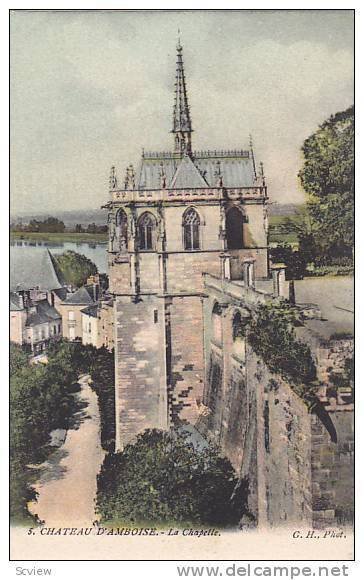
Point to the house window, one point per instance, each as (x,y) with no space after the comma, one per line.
(191,230)
(146,231)
(71,315)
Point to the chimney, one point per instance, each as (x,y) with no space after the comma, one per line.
(279,278)
(249,272)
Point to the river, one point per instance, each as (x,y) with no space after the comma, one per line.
(95,251)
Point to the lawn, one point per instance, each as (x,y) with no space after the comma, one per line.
(278,233)
(59,237)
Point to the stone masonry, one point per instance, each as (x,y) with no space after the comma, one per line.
(188,263)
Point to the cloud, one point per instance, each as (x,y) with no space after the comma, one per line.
(90,89)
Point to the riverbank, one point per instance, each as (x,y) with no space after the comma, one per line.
(59,237)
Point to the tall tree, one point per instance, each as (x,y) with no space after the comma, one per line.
(328,178)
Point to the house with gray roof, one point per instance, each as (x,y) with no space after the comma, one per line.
(71,308)
(33,323)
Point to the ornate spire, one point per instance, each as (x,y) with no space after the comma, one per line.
(182,127)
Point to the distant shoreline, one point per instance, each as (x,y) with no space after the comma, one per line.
(58,237)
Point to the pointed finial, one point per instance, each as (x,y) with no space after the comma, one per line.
(162,175)
(252,155)
(131,176)
(179,46)
(262,176)
(218,174)
(129,181)
(113,182)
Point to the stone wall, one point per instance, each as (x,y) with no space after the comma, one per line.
(185,342)
(297,474)
(333,471)
(140,373)
(283,446)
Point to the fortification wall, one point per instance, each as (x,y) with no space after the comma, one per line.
(297,474)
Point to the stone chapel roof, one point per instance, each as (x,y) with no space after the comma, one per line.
(201,170)
(184,168)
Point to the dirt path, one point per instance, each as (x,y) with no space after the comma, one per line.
(67,485)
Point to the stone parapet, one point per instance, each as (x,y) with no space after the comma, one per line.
(166,195)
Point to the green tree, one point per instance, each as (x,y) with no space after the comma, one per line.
(18,358)
(76,268)
(327,176)
(163,478)
(40,400)
(295,261)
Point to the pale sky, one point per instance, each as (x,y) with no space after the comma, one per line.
(91,89)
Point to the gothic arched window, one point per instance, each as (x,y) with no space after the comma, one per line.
(146,231)
(122,229)
(191,230)
(234,229)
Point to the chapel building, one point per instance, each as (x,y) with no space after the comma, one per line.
(183,213)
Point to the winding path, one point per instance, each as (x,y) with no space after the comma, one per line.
(67,483)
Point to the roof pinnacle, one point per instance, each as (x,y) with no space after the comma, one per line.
(252,155)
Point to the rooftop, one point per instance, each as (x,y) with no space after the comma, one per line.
(41,272)
(87,295)
(202,169)
(90,311)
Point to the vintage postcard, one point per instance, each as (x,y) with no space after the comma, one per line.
(181,285)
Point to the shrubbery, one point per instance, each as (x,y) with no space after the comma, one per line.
(294,261)
(271,335)
(164,479)
(75,268)
(101,367)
